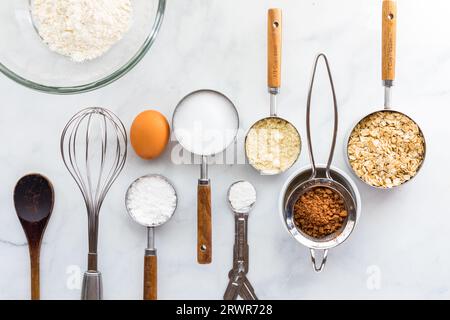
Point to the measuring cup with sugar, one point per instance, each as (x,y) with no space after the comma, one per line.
(151,201)
(205,123)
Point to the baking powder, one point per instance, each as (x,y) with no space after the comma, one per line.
(242,195)
(151,200)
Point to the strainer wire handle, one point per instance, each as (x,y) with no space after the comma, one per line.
(318,268)
(308,122)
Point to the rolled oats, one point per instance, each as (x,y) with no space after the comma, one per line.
(386,149)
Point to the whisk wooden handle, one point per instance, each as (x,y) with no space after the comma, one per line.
(389,35)
(274,48)
(204,224)
(151,277)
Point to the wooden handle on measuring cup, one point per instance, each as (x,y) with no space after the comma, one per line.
(389,35)
(274,48)
(151,277)
(204,224)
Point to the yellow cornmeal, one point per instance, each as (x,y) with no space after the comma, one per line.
(273,145)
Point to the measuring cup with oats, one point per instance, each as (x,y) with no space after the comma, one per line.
(273,144)
(386,148)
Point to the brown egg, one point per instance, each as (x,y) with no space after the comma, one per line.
(149,134)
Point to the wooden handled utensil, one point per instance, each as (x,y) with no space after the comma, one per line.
(218,121)
(387,113)
(137,191)
(33,200)
(260,129)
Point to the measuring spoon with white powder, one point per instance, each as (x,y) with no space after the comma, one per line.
(151,201)
(242,199)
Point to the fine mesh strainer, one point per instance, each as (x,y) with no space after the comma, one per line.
(320,177)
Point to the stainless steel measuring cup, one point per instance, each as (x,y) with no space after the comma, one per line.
(319,177)
(219,143)
(274,49)
(150,259)
(389,40)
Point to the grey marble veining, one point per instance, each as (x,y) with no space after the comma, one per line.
(400,247)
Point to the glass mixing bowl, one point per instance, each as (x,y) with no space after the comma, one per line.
(27,60)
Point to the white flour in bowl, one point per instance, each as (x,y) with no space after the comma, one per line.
(151,200)
(81,29)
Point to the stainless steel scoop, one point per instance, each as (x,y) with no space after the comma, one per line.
(150,260)
(238,284)
(326,181)
(241,214)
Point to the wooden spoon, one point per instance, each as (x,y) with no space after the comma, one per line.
(33,200)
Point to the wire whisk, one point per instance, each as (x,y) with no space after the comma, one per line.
(94,150)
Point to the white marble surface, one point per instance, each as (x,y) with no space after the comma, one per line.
(399,249)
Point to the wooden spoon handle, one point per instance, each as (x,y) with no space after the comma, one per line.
(151,276)
(274,48)
(204,224)
(389,35)
(35,282)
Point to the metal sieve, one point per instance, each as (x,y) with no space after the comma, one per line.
(389,39)
(286,201)
(274,83)
(320,178)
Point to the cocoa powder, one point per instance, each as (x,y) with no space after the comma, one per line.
(320,212)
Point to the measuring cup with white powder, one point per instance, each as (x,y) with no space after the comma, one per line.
(151,201)
(205,123)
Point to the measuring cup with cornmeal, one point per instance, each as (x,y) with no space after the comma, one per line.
(273,144)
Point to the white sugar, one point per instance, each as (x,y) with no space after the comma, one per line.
(205,123)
